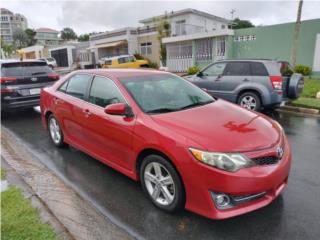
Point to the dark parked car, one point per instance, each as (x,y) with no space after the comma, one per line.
(253,84)
(22,81)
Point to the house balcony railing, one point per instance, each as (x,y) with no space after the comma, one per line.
(186,29)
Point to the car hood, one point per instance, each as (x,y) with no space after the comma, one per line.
(222,127)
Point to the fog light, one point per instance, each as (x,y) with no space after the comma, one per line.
(222,200)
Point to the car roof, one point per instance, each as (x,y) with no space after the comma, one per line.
(248,60)
(116,57)
(18,61)
(122,72)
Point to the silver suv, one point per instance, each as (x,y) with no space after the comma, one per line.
(253,84)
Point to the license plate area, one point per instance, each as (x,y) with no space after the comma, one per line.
(35,91)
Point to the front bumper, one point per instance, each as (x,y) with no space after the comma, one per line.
(203,180)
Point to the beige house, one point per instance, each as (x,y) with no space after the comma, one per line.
(149,44)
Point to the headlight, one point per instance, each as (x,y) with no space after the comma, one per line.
(230,162)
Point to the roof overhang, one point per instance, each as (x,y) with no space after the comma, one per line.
(108,45)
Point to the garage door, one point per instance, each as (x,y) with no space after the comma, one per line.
(61,56)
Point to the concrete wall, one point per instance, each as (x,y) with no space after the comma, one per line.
(275,42)
(155,55)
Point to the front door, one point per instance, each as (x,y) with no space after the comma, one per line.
(108,136)
(210,78)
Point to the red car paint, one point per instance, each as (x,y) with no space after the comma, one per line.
(218,127)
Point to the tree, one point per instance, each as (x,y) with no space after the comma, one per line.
(238,24)
(83,37)
(296,35)
(163,31)
(20,38)
(8,49)
(31,37)
(68,34)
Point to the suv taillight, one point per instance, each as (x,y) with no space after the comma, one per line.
(53,76)
(7,79)
(276,82)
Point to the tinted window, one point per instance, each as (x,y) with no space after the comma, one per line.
(237,69)
(258,69)
(108,62)
(20,69)
(122,60)
(104,92)
(77,85)
(286,69)
(215,70)
(160,93)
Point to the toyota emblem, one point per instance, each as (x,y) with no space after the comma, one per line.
(279,152)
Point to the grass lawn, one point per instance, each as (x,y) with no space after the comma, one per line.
(311,87)
(307,103)
(307,99)
(19,220)
(3,174)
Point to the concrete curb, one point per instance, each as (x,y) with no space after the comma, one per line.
(76,215)
(45,214)
(300,109)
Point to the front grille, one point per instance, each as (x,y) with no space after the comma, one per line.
(268,160)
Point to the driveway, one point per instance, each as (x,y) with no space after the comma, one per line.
(294,215)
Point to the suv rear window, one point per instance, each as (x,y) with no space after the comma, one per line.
(258,69)
(237,69)
(20,69)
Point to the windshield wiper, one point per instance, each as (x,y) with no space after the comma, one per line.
(161,110)
(195,104)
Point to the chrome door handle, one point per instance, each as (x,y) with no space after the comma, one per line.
(246,80)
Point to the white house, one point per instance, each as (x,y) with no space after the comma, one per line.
(196,37)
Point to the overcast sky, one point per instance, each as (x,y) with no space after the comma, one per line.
(88,16)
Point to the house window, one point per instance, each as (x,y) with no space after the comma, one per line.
(146,48)
(248,38)
(4,18)
(180,28)
(223,26)
(240,38)
(236,39)
(253,37)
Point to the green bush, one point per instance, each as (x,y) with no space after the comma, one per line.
(153,65)
(193,70)
(303,69)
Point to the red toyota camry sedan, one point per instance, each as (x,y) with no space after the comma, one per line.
(188,149)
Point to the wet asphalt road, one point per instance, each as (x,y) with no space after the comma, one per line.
(293,215)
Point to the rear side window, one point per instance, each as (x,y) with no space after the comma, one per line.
(104,92)
(237,69)
(122,60)
(21,69)
(77,85)
(258,69)
(108,62)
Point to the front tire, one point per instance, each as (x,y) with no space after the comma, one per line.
(55,131)
(162,184)
(250,100)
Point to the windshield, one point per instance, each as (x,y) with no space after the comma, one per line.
(164,93)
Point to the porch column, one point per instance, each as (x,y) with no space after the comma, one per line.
(194,53)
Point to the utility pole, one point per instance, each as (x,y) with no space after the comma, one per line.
(232,12)
(296,35)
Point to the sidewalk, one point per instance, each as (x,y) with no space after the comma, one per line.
(76,215)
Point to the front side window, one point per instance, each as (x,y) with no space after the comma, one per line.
(237,69)
(161,93)
(122,60)
(104,92)
(78,85)
(215,69)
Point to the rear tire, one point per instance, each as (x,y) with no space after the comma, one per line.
(250,100)
(55,132)
(162,184)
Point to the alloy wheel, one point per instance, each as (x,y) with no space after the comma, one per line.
(159,183)
(55,131)
(248,102)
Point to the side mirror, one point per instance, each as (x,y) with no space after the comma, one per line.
(121,109)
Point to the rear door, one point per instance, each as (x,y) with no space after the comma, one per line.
(69,107)
(234,74)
